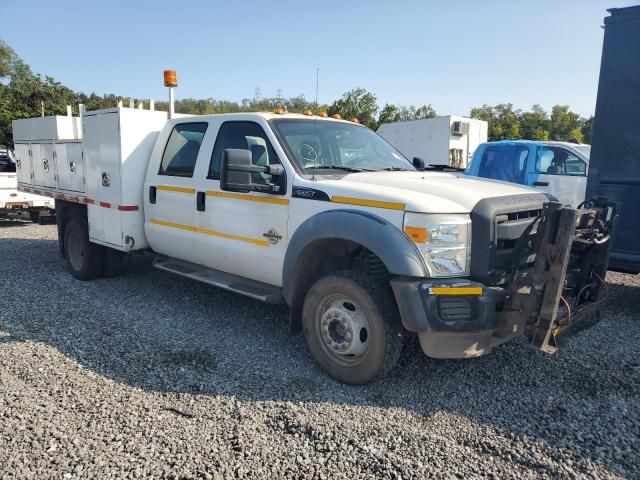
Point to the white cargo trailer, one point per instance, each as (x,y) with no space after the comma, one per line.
(448,140)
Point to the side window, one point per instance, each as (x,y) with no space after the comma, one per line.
(181,152)
(574,166)
(504,163)
(247,136)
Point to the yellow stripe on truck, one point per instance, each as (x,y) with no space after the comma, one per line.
(251,198)
(255,241)
(455,290)
(172,225)
(171,188)
(204,231)
(368,203)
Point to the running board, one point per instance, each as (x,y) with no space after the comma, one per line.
(233,283)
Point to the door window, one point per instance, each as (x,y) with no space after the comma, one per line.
(247,136)
(504,163)
(559,161)
(181,152)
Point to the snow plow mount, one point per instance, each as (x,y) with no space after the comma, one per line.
(558,293)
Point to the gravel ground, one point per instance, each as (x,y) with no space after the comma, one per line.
(150,375)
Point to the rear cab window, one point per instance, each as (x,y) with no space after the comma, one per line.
(181,151)
(504,162)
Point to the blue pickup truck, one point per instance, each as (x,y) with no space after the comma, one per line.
(558,168)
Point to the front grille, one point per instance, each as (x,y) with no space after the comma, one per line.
(497,224)
(509,229)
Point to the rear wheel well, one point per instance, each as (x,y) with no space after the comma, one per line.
(324,257)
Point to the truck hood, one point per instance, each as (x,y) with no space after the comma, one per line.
(428,192)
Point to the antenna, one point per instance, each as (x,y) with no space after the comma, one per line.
(315,125)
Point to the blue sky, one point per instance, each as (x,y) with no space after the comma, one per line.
(454,55)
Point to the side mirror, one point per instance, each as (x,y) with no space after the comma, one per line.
(236,170)
(418,163)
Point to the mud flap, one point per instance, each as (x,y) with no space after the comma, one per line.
(559,294)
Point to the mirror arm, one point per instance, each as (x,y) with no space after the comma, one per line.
(252,187)
(275,170)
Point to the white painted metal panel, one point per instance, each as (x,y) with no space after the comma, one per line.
(70,166)
(138,133)
(55,127)
(91,149)
(23,166)
(36,164)
(110,186)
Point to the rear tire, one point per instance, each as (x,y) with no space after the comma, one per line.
(34,216)
(352,327)
(84,259)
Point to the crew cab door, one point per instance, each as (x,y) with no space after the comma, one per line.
(170,194)
(243,233)
(561,173)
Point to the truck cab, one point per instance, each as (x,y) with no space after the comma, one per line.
(324,215)
(557,168)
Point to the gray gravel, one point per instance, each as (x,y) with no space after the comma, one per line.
(149,375)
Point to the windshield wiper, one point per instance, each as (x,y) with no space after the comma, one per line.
(339,167)
(395,169)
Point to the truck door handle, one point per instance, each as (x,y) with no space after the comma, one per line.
(201,201)
(152,194)
(540,184)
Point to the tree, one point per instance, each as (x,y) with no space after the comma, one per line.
(587,130)
(391,113)
(357,103)
(534,125)
(563,122)
(502,119)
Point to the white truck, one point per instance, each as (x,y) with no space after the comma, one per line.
(324,215)
(13,201)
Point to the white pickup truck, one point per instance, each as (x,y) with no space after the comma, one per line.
(13,201)
(364,246)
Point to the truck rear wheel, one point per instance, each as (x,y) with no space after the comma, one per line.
(351,327)
(84,259)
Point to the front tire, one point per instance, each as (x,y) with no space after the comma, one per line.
(352,328)
(84,259)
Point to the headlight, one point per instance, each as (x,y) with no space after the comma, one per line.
(444,241)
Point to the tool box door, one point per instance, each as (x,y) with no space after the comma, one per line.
(23,163)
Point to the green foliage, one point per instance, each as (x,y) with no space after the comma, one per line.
(391,113)
(357,103)
(503,121)
(563,122)
(587,130)
(506,123)
(534,125)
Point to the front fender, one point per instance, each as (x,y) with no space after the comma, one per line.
(390,244)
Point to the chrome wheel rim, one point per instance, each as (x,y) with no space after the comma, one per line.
(343,329)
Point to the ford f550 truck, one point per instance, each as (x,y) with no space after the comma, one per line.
(320,213)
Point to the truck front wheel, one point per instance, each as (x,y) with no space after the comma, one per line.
(352,328)
(84,259)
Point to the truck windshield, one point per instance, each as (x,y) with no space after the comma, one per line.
(322,144)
